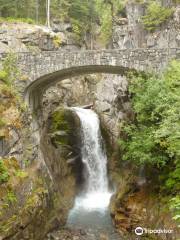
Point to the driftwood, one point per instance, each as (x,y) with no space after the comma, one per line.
(88,106)
(72,160)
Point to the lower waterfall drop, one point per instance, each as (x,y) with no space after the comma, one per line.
(91,205)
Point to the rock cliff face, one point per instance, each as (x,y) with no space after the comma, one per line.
(23,37)
(107,92)
(37,198)
(129,33)
(60,144)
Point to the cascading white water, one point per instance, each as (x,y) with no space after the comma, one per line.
(92,152)
(95,196)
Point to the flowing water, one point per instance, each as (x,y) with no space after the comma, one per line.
(90,210)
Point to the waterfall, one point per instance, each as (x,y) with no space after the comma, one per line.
(95,195)
(92,152)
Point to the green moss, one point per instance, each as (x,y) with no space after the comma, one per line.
(59,121)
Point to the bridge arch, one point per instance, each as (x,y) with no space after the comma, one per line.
(34,91)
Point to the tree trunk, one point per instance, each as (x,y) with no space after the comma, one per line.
(37,11)
(48,13)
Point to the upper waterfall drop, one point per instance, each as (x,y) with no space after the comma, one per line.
(92,152)
(95,194)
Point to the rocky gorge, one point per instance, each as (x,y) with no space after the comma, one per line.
(42,168)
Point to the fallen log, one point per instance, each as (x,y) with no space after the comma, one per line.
(88,106)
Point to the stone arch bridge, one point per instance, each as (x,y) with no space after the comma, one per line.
(41,70)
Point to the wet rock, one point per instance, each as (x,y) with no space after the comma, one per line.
(135,205)
(111,103)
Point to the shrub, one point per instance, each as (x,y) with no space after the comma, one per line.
(175,207)
(57,41)
(155,133)
(155,15)
(11,197)
(21,174)
(3,75)
(4,175)
(10,71)
(17,20)
(2,123)
(106,25)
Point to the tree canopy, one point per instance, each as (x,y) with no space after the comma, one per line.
(83,15)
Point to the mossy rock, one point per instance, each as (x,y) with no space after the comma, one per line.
(63,126)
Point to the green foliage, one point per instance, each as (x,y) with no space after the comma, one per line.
(21,174)
(156,104)
(62,129)
(57,41)
(23,10)
(155,15)
(87,14)
(176,1)
(26,162)
(8,75)
(106,23)
(83,16)
(11,197)
(154,136)
(140,1)
(10,71)
(3,75)
(4,175)
(106,11)
(175,207)
(59,121)
(142,147)
(2,123)
(17,20)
